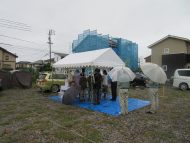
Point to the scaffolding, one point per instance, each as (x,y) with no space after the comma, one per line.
(91,40)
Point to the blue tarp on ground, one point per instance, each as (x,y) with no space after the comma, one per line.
(107,106)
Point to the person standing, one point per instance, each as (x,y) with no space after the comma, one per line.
(89,83)
(105,83)
(76,78)
(97,86)
(83,86)
(70,76)
(154,96)
(123,94)
(114,90)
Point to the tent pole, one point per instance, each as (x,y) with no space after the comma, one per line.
(92,79)
(67,70)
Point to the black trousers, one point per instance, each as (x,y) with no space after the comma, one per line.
(114,90)
(97,95)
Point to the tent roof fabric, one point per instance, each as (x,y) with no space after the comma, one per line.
(106,58)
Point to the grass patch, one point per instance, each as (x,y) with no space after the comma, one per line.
(65,136)
(164,136)
(28,116)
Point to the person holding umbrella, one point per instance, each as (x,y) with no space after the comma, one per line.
(156,76)
(122,75)
(123,93)
(153,94)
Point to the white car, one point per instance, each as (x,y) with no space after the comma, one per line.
(181,79)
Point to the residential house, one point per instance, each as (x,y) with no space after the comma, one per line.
(148,59)
(48,61)
(23,64)
(7,60)
(59,56)
(37,64)
(171,52)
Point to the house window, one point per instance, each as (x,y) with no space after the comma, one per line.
(166,50)
(7,57)
(164,67)
(6,66)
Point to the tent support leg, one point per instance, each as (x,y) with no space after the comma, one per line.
(92,79)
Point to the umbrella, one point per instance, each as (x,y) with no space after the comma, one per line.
(121,74)
(154,72)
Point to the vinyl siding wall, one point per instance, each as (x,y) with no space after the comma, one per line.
(175,46)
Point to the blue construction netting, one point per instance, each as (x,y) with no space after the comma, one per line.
(107,106)
(91,40)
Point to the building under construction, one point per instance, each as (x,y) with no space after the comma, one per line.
(91,40)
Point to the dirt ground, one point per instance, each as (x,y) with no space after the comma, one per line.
(28,116)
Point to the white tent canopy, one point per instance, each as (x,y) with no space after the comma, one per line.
(105,58)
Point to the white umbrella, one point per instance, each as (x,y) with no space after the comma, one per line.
(121,74)
(154,72)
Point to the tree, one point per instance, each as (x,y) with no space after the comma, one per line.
(46,67)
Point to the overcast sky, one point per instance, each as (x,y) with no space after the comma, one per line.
(141,21)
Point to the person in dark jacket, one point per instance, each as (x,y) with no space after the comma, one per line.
(97,86)
(76,79)
(113,89)
(70,94)
(89,83)
(83,86)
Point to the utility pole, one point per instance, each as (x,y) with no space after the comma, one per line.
(51,32)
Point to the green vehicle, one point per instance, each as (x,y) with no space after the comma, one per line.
(51,81)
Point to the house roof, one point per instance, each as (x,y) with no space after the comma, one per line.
(168,36)
(38,62)
(147,57)
(8,52)
(96,58)
(60,54)
(52,59)
(23,62)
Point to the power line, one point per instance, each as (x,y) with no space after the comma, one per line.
(6,44)
(20,52)
(11,27)
(37,54)
(14,22)
(44,55)
(22,47)
(26,47)
(14,26)
(19,39)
